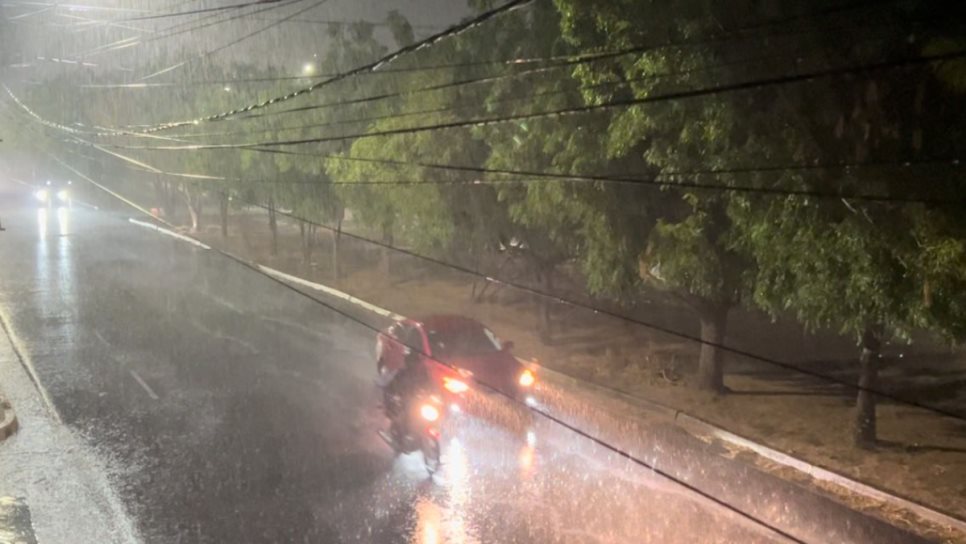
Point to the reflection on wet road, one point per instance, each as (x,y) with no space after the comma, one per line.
(231,409)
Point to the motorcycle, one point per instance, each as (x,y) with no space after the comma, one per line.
(418,430)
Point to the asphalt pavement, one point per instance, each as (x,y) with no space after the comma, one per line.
(229,408)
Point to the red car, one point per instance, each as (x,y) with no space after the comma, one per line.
(458,342)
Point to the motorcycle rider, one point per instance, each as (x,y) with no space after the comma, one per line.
(401,387)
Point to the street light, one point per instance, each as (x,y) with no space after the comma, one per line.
(308,69)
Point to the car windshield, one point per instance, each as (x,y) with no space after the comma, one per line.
(463,341)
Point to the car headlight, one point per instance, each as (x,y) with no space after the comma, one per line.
(62,195)
(41,195)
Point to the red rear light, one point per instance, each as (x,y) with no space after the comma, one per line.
(455,386)
(527,378)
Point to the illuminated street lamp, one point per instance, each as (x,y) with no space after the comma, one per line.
(308,69)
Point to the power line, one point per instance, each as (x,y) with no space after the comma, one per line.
(666,180)
(451,31)
(669,180)
(236,41)
(493,78)
(372,66)
(679,95)
(469,104)
(192,25)
(349,23)
(185,27)
(76,6)
(673,180)
(562,60)
(201,10)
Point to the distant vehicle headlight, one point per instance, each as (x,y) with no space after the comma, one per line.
(41,195)
(62,195)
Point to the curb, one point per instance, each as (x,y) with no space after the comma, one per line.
(329,291)
(698,427)
(169,232)
(691,424)
(8,423)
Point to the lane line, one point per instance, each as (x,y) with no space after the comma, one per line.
(144,384)
(137,377)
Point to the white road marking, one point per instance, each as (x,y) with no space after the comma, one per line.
(171,233)
(147,388)
(330,291)
(100,337)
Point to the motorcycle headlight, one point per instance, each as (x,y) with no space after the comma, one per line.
(429,412)
(41,195)
(62,195)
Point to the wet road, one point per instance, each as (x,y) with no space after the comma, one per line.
(231,409)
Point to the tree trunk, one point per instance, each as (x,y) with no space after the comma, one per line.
(192,206)
(313,229)
(303,239)
(273,225)
(170,203)
(714,321)
(307,235)
(865,404)
(223,209)
(159,192)
(336,242)
(546,305)
(387,252)
(199,201)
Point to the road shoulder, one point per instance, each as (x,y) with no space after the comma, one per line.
(8,419)
(50,470)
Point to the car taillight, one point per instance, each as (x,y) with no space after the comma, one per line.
(527,378)
(454,386)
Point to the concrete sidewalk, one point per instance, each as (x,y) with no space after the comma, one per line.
(53,487)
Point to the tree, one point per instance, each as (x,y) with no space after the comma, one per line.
(682,240)
(871,270)
(452,218)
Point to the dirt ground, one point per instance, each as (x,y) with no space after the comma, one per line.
(921,455)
